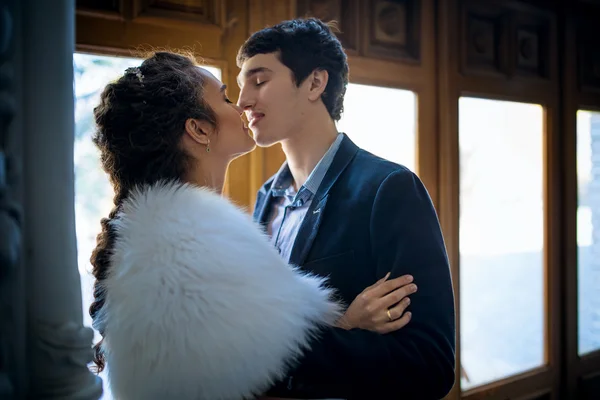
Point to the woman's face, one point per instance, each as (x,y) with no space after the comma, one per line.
(232,138)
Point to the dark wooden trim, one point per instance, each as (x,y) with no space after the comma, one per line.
(448,154)
(428,134)
(589,363)
(515,386)
(569,142)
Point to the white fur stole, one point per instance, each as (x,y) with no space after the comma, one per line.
(199,305)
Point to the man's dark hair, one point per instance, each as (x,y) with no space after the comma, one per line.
(305,45)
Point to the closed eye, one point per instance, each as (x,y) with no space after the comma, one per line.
(225,94)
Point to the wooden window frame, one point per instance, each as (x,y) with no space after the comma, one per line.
(457,80)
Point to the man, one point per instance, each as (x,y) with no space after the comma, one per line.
(339,211)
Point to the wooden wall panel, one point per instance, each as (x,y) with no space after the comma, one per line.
(589,388)
(132,26)
(112,6)
(378,29)
(508,49)
(588,53)
(392,30)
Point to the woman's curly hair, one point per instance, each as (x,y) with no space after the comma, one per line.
(140,122)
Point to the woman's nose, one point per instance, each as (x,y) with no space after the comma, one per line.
(239,109)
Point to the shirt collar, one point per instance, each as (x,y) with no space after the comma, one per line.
(282,183)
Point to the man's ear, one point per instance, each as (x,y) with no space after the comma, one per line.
(199,131)
(317,83)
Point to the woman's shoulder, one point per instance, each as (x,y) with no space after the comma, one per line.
(173,199)
(198,303)
(168,213)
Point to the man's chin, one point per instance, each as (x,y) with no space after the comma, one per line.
(264,140)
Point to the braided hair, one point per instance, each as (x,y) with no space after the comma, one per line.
(140,123)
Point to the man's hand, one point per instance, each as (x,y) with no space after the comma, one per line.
(380,307)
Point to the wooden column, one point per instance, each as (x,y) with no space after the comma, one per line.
(13,375)
(58,345)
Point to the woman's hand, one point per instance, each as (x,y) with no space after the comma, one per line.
(380,307)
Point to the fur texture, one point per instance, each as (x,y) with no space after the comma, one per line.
(199,305)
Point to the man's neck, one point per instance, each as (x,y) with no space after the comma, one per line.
(305,148)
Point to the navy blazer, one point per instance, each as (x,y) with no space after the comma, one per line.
(371,216)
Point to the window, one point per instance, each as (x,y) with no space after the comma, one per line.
(382,121)
(93,193)
(588,229)
(501,239)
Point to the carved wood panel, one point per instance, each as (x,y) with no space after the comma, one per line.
(393,29)
(200,11)
(588,43)
(204,11)
(387,29)
(505,39)
(484,39)
(99,5)
(344,12)
(532,50)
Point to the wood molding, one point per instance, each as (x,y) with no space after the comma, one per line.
(526,385)
(145,34)
(447,95)
(508,41)
(264,162)
(569,183)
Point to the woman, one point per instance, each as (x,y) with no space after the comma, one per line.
(191,299)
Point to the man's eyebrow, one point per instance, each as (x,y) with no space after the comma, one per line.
(251,72)
(223,88)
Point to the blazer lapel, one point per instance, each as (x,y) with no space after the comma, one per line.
(308,231)
(261,205)
(314,215)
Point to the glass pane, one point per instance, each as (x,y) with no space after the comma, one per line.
(501,239)
(588,229)
(382,121)
(93,193)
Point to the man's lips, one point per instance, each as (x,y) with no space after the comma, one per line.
(254,118)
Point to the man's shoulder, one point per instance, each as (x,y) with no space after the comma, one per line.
(373,169)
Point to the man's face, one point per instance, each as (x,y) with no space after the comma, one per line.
(272,102)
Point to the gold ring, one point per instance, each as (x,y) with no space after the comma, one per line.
(389,315)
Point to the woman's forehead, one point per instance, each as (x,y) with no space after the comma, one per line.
(210,79)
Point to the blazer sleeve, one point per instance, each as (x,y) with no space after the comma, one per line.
(417,361)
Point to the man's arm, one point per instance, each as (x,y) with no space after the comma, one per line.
(416,361)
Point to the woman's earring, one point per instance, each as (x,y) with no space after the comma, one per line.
(208,148)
